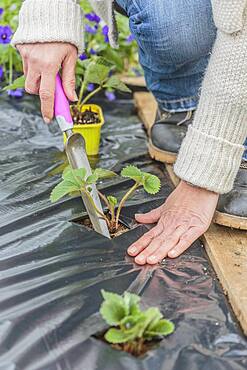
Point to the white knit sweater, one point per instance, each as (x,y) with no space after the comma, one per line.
(211,153)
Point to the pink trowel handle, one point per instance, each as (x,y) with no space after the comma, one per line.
(61,107)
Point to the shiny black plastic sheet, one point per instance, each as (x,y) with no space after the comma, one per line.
(52,270)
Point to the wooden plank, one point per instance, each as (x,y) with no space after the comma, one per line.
(146,107)
(226,248)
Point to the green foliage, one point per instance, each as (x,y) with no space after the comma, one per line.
(116,84)
(77,181)
(112,201)
(150,183)
(97,71)
(129,322)
(17,84)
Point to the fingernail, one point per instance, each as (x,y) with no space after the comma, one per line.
(152,258)
(172,253)
(75,97)
(140,258)
(47,120)
(133,250)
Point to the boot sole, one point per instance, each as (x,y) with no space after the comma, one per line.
(235,222)
(161,155)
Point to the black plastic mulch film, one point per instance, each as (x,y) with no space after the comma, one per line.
(52,270)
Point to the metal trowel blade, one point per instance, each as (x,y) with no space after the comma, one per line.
(77,157)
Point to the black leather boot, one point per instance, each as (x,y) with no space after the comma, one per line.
(232,207)
(167,134)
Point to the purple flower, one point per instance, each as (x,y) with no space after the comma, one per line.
(18,93)
(90,87)
(130,38)
(5,34)
(110,95)
(92,17)
(1,11)
(1,72)
(92,51)
(105,31)
(92,30)
(83,56)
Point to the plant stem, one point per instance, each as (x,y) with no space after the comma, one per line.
(81,93)
(123,200)
(103,197)
(95,207)
(89,96)
(10,66)
(108,205)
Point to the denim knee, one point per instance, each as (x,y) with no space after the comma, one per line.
(174,31)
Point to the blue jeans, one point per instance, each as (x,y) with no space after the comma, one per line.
(175,38)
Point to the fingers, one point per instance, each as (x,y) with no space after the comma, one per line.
(32,83)
(157,250)
(185,241)
(145,240)
(150,217)
(68,76)
(46,93)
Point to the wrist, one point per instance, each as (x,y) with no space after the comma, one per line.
(185,185)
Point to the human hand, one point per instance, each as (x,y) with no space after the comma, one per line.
(183,218)
(41,63)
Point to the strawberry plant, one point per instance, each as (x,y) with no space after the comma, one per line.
(131,329)
(78,181)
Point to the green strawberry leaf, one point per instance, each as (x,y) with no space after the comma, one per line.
(113,309)
(161,328)
(103,174)
(92,179)
(151,183)
(65,187)
(112,200)
(132,172)
(128,323)
(132,302)
(116,336)
(150,315)
(132,323)
(115,83)
(17,84)
(97,71)
(75,176)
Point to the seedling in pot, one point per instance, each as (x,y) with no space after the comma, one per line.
(74,181)
(95,75)
(131,329)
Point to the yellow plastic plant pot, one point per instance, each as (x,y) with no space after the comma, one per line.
(90,132)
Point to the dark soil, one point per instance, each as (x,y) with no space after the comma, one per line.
(113,232)
(84,118)
(138,348)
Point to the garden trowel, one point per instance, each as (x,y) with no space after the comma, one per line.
(76,153)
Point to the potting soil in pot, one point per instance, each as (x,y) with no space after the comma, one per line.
(52,270)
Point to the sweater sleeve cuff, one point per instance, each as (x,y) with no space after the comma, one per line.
(50,21)
(206,159)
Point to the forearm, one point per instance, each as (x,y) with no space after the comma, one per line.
(212,150)
(50,21)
